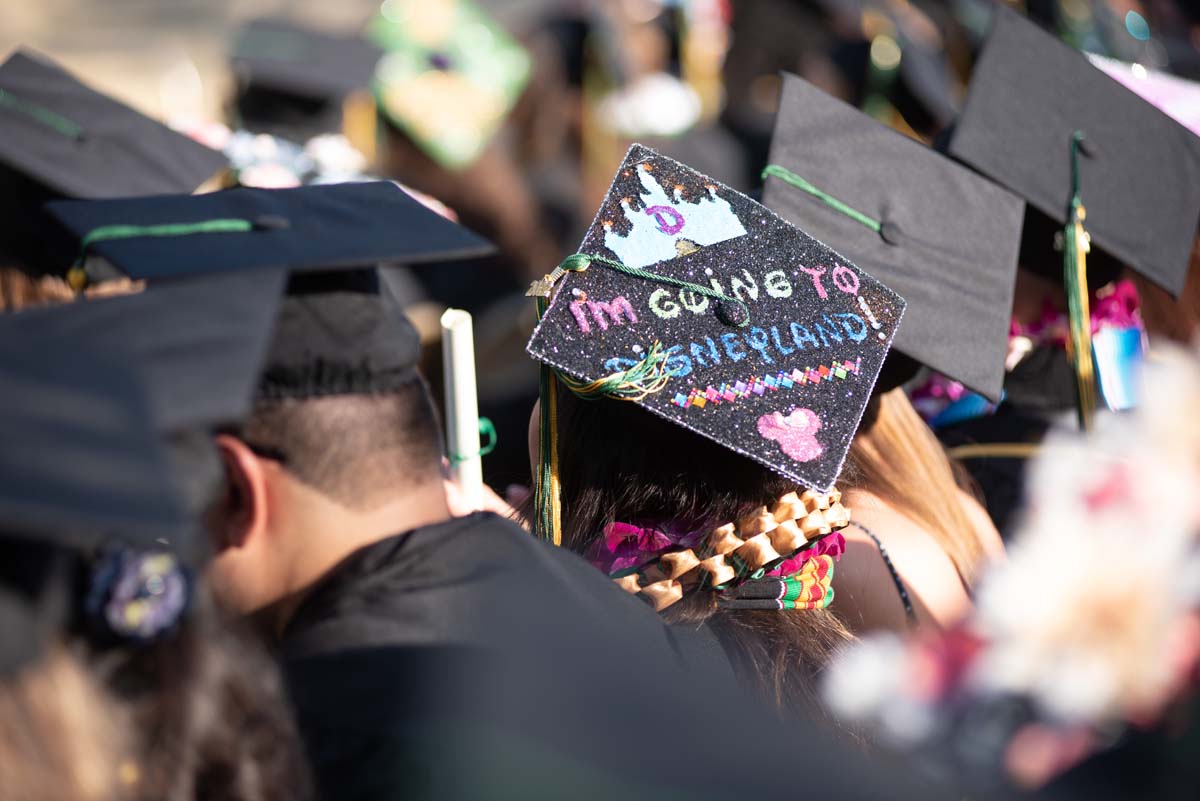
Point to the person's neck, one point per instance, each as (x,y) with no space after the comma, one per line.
(323,533)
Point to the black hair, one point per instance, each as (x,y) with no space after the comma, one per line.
(352,448)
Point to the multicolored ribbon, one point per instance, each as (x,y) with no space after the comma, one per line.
(809,588)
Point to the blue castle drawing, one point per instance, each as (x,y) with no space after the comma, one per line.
(669,227)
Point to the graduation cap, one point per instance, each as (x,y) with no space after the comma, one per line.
(936,232)
(711,311)
(336,330)
(60,138)
(303,229)
(1139,170)
(198,345)
(81,461)
(450,75)
(81,469)
(297,83)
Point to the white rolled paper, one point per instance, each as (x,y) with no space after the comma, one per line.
(462,404)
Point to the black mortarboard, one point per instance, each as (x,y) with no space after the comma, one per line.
(788,386)
(80,461)
(1139,172)
(336,331)
(81,468)
(59,138)
(311,228)
(293,80)
(198,345)
(940,235)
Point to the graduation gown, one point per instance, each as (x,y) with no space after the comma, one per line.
(470,628)
(470,660)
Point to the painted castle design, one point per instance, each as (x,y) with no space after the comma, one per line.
(667,227)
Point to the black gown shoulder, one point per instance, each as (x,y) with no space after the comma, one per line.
(470,635)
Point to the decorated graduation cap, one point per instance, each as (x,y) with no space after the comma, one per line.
(938,233)
(297,82)
(60,138)
(1082,150)
(712,312)
(450,75)
(197,345)
(337,331)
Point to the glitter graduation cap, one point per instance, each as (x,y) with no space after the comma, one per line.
(60,138)
(935,231)
(757,336)
(450,75)
(1139,170)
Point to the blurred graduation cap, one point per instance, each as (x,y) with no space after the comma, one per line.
(81,468)
(198,345)
(450,75)
(1139,170)
(81,461)
(337,330)
(59,138)
(939,234)
(297,82)
(714,313)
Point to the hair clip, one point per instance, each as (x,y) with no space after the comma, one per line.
(138,595)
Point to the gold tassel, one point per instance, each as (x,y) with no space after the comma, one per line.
(1076,245)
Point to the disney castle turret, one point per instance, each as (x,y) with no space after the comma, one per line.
(667,227)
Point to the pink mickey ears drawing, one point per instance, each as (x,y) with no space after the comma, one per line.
(796,433)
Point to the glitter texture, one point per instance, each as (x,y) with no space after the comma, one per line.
(725,379)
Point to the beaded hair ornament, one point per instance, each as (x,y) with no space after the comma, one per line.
(777,557)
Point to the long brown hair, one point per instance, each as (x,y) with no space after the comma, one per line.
(618,462)
(896,457)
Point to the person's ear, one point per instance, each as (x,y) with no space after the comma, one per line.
(244,517)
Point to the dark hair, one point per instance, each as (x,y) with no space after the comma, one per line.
(208,715)
(618,462)
(351,447)
(198,712)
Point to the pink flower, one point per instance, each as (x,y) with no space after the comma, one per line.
(626,546)
(831,544)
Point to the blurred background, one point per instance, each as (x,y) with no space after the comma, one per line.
(511,115)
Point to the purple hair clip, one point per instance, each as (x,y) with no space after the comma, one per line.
(139,595)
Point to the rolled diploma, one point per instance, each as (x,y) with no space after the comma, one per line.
(462,404)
